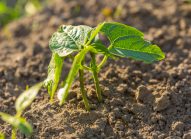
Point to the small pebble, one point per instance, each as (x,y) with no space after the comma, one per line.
(187,135)
(162,103)
(144,95)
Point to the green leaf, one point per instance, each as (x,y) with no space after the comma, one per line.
(94,41)
(2,136)
(19,123)
(69,39)
(136,48)
(26,98)
(54,73)
(114,30)
(127,41)
(3,8)
(100,48)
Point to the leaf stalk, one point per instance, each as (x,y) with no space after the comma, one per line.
(102,62)
(14,133)
(72,74)
(95,76)
(82,89)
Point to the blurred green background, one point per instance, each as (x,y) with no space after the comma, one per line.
(14,9)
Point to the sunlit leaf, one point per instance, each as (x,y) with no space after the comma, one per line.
(136,48)
(3,8)
(2,136)
(128,42)
(20,123)
(69,39)
(114,30)
(26,98)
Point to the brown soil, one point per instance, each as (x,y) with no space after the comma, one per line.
(140,100)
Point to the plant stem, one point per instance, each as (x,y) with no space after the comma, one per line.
(14,133)
(102,62)
(95,76)
(95,32)
(82,89)
(72,74)
(86,68)
(104,59)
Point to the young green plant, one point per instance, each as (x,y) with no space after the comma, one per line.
(78,41)
(18,122)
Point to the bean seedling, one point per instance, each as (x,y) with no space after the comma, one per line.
(77,41)
(18,122)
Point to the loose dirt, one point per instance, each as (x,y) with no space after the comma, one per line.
(140,101)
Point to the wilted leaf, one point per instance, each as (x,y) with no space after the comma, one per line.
(69,39)
(26,98)
(19,123)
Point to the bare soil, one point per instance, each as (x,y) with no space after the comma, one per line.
(141,101)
